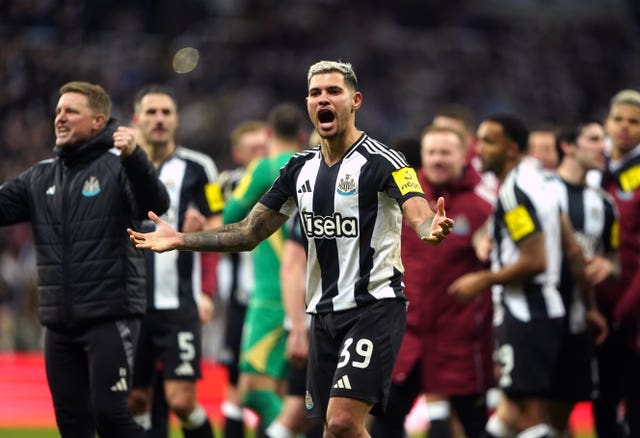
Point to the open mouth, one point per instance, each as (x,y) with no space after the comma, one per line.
(326,116)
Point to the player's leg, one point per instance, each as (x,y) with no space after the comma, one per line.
(182,367)
(574,379)
(110,350)
(365,343)
(527,354)
(263,364)
(346,417)
(439,414)
(144,370)
(232,406)
(401,399)
(611,357)
(159,406)
(292,421)
(471,410)
(68,377)
(632,395)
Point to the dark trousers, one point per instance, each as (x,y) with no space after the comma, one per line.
(89,374)
(619,380)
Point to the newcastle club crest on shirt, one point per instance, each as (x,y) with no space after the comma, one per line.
(346,186)
(91,187)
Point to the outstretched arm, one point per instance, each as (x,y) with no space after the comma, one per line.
(431,228)
(245,235)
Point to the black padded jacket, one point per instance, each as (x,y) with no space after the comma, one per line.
(80,205)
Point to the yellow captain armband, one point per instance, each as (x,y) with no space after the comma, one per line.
(519,223)
(615,234)
(407,180)
(213,193)
(630,179)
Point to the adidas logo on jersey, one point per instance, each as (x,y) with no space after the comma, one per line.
(343,383)
(185,369)
(306,187)
(121,384)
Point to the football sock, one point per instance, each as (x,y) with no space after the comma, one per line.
(233,420)
(537,431)
(197,425)
(438,413)
(143,420)
(496,428)
(277,430)
(265,403)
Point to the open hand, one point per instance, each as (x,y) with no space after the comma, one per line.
(164,238)
(440,226)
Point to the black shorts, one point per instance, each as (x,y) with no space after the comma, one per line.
(297,380)
(351,354)
(527,353)
(172,337)
(234,321)
(576,372)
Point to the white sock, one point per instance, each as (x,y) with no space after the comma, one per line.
(438,410)
(143,420)
(277,430)
(197,418)
(498,428)
(537,431)
(232,411)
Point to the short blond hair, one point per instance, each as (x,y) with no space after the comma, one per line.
(344,68)
(99,100)
(626,97)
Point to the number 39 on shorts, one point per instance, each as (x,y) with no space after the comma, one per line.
(362,351)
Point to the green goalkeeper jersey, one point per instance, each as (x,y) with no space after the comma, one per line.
(267,255)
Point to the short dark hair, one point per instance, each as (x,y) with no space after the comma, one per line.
(154,89)
(570,134)
(286,121)
(514,128)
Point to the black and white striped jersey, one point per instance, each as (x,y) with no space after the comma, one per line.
(351,216)
(593,215)
(526,206)
(235,269)
(190,177)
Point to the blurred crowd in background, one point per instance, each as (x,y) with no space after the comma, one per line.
(550,61)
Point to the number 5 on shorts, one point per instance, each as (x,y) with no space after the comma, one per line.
(185,344)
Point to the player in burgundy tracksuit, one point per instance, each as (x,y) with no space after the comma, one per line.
(447,348)
(619,356)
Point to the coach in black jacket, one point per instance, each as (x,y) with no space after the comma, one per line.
(91,280)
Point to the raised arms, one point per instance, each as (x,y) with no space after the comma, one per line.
(245,235)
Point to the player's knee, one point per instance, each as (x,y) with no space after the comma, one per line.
(139,401)
(181,404)
(341,424)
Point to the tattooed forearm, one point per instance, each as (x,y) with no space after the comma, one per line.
(241,236)
(418,213)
